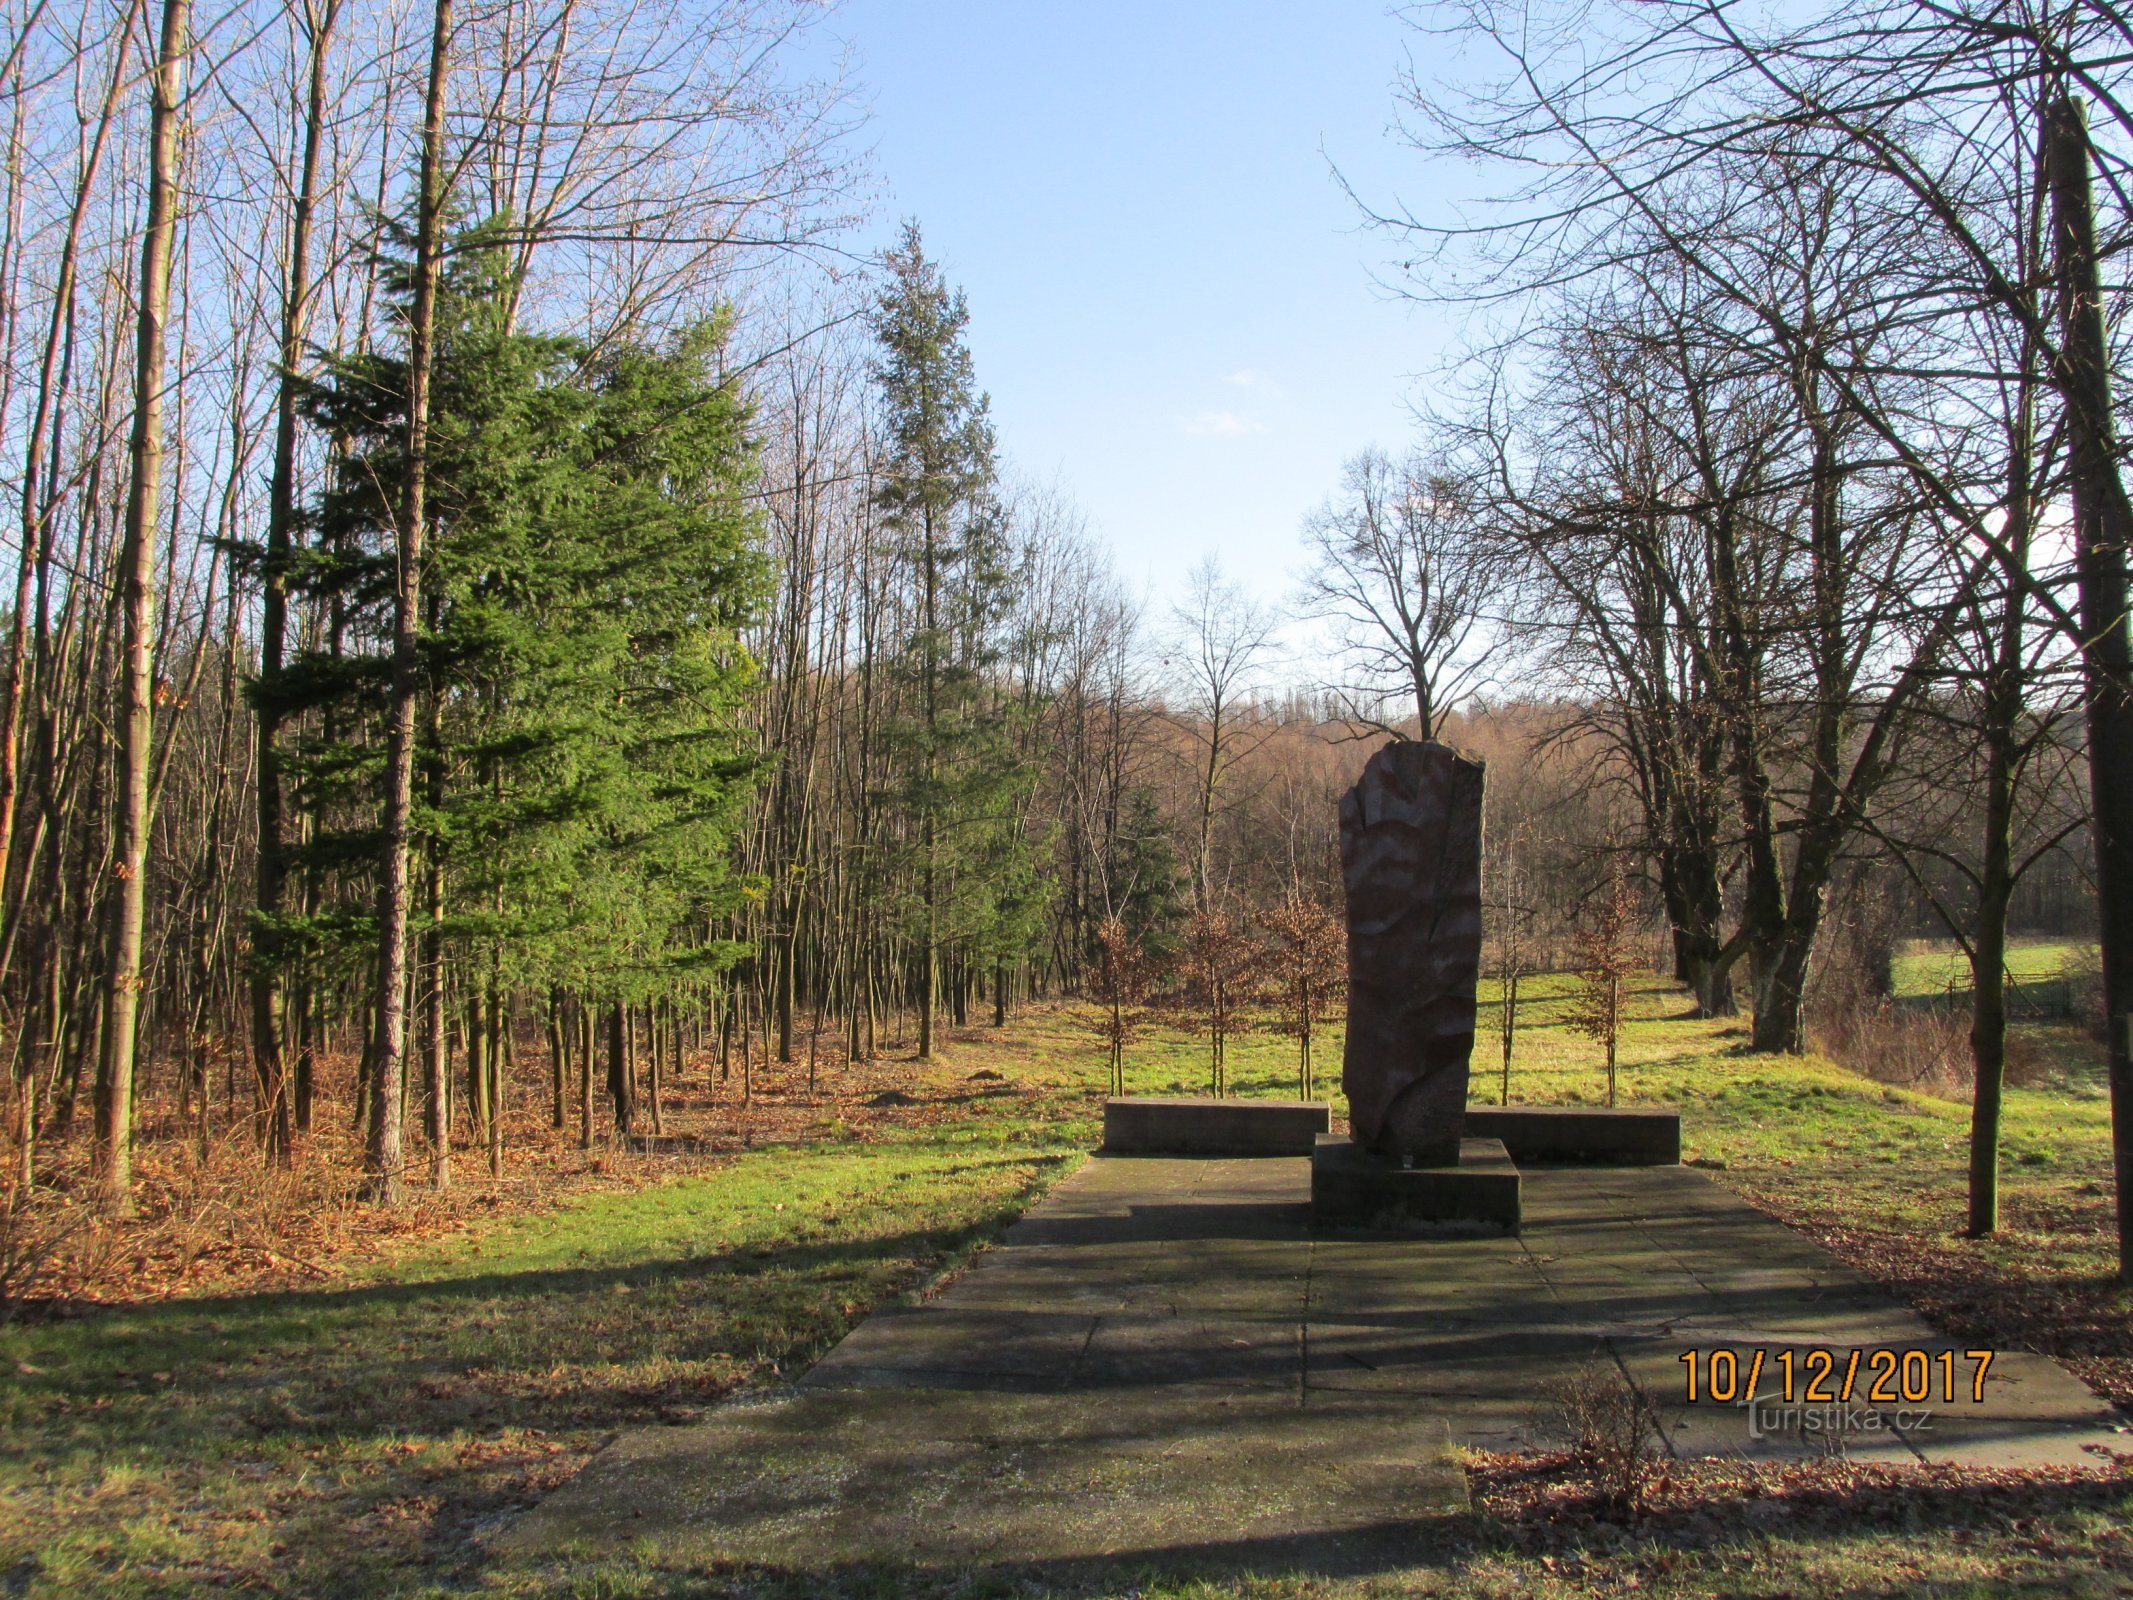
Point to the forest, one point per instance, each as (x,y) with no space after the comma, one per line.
(508,608)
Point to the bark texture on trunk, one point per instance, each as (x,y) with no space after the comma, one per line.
(2103,527)
(383,1156)
(137,577)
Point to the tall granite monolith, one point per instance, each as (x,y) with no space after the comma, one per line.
(1411,858)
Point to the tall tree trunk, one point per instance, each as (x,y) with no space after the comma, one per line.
(585,1077)
(2103,528)
(382,1158)
(558,1057)
(496,1024)
(619,1087)
(436,1038)
(2004,695)
(270,874)
(136,577)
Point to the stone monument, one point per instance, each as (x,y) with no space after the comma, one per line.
(1411,861)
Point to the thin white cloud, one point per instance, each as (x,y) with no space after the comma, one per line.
(1249,378)
(1219,424)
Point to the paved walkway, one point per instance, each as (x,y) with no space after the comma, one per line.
(1162,1363)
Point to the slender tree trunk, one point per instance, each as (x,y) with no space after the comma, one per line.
(136,577)
(619,1088)
(437,1067)
(788,954)
(269,872)
(1509,1030)
(558,1058)
(585,1077)
(2103,528)
(382,1154)
(496,1024)
(653,1064)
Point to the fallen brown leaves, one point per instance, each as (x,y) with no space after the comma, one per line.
(1550,1505)
(211,1220)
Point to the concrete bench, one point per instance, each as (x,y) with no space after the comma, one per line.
(1148,1126)
(1597,1136)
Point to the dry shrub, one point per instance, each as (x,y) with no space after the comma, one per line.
(2028,1065)
(1916,1047)
(1613,1429)
(2082,972)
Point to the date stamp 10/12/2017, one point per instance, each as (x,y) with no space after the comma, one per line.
(1821,1376)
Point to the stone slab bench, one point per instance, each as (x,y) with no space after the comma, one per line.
(1150,1126)
(1599,1136)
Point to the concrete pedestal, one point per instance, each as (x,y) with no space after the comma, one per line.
(1591,1136)
(1353,1187)
(1152,1126)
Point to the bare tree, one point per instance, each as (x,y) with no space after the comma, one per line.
(1959,120)
(1605,938)
(1507,893)
(1403,568)
(1223,640)
(137,577)
(1221,962)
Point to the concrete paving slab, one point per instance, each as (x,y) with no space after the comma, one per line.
(1135,1350)
(824,1478)
(1162,1364)
(1507,1368)
(1037,1347)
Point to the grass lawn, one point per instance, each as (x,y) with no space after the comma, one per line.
(1925,966)
(360,1437)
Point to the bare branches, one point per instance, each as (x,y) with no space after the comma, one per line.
(1404,568)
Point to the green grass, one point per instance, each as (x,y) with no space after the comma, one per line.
(352,1440)
(1822,1143)
(359,1439)
(1925,967)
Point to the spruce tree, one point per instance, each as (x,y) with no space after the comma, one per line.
(591,566)
(961,778)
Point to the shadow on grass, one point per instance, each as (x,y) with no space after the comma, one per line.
(537,1348)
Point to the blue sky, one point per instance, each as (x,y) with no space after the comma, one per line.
(1172,302)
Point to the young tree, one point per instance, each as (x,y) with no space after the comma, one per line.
(1125,971)
(1307,958)
(1223,639)
(1222,963)
(1508,895)
(1605,940)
